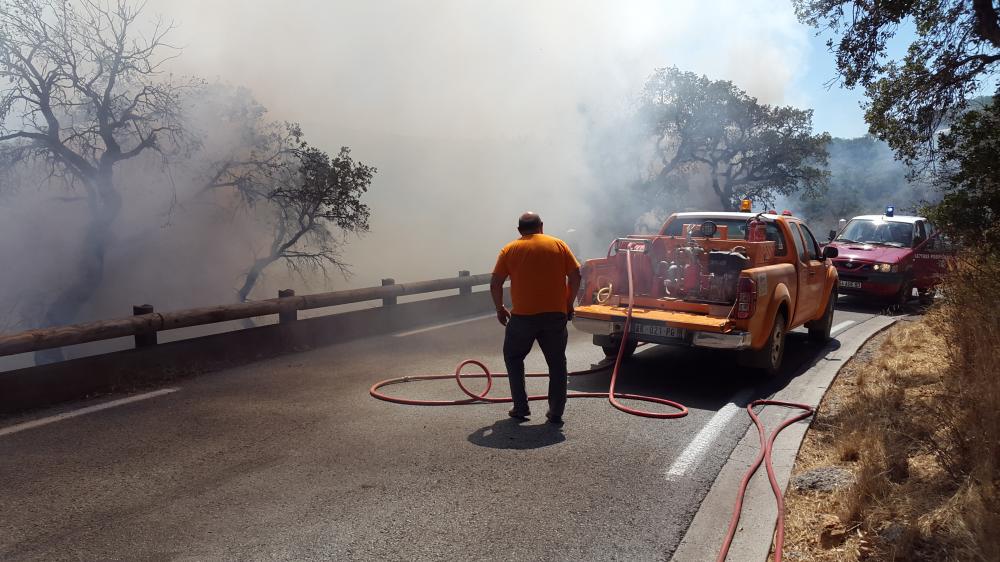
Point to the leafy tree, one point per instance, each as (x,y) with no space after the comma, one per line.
(747,149)
(81,94)
(309,198)
(957,49)
(969,176)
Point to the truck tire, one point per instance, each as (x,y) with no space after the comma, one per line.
(611,350)
(819,330)
(768,358)
(905,293)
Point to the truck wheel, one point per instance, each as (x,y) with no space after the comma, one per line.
(611,350)
(768,358)
(819,330)
(905,293)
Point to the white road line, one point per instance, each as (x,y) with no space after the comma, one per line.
(83,411)
(435,327)
(837,328)
(691,456)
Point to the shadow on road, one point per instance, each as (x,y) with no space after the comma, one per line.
(510,434)
(863,305)
(703,379)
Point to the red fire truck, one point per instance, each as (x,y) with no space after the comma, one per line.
(888,256)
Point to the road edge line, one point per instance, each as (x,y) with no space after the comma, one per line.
(32,424)
(444,325)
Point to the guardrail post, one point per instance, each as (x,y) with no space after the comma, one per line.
(287,313)
(388,301)
(144,339)
(465,289)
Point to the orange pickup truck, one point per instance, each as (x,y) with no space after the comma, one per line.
(722,280)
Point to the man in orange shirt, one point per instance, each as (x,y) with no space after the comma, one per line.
(538,266)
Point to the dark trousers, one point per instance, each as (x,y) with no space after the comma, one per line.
(549,329)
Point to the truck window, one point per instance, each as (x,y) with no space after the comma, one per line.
(881,232)
(933,241)
(919,234)
(800,246)
(773,234)
(811,246)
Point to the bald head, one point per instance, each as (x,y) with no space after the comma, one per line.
(529,223)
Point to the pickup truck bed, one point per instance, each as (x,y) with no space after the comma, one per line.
(704,283)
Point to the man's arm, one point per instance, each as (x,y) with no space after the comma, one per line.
(496,291)
(574,288)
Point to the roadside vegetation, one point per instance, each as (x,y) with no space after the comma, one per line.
(903,460)
(916,423)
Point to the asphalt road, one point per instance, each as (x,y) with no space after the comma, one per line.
(290,459)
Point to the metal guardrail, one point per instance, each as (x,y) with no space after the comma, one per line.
(145,323)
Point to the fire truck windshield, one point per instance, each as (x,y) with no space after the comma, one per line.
(885,233)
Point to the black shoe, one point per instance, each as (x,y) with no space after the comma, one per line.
(519,414)
(554,419)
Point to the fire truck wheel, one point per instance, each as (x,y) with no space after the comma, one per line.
(905,292)
(768,358)
(611,350)
(819,330)
(926,295)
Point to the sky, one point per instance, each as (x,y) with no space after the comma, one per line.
(815,85)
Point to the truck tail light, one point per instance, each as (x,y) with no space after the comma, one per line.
(746,298)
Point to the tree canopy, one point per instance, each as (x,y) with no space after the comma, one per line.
(957,49)
(81,94)
(969,176)
(747,149)
(308,197)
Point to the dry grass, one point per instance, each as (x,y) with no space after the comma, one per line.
(918,424)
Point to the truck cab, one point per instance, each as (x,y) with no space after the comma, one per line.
(888,256)
(724,280)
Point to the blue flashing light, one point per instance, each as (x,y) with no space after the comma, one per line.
(889,210)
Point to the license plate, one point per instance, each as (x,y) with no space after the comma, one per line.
(653,330)
(850,284)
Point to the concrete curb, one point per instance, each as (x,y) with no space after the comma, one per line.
(704,537)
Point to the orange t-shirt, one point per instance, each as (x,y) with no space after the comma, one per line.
(537,265)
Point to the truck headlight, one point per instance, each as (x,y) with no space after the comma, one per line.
(886,267)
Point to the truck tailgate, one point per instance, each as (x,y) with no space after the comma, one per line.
(686,320)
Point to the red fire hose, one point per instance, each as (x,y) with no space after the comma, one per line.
(766,445)
(613,397)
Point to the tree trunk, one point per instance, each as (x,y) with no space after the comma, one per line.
(90,270)
(253,276)
(725,198)
(248,284)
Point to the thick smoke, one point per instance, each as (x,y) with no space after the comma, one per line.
(472,112)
